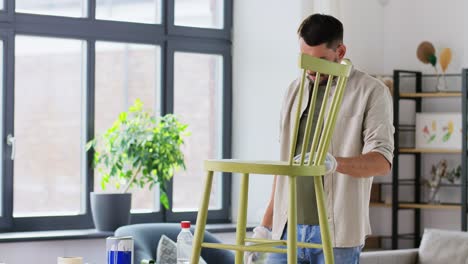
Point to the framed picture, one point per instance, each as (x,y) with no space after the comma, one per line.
(438,130)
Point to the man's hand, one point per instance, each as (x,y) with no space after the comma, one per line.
(264,230)
(258,232)
(330,161)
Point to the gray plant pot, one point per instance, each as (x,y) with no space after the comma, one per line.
(110,210)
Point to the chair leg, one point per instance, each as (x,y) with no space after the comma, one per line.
(242,216)
(323,221)
(201,219)
(292,222)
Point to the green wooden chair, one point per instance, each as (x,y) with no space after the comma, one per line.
(313,167)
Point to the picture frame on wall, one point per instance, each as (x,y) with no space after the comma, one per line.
(438,131)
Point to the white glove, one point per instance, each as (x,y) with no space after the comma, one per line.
(258,232)
(330,162)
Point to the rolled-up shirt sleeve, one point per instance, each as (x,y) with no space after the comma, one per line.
(378,127)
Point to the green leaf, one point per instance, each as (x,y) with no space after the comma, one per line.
(90,144)
(433,59)
(431,139)
(113,171)
(164,200)
(446,137)
(139,140)
(137,106)
(123,117)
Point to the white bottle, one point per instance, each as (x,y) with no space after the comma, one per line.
(184,243)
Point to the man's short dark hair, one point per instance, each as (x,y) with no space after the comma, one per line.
(318,29)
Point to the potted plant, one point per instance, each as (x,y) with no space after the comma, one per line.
(140,149)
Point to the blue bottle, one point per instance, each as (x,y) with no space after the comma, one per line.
(119,250)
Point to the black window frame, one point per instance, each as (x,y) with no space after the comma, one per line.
(168,37)
(195,46)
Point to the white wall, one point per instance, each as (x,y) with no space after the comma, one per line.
(363,25)
(265,53)
(407,23)
(93,251)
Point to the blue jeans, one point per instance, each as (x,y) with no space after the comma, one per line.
(311,234)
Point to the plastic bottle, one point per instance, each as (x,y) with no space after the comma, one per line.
(184,243)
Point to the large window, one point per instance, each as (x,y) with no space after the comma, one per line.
(126,72)
(199,13)
(71,8)
(49,104)
(197,99)
(141,11)
(69,68)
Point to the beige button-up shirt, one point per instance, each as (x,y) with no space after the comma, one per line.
(365,124)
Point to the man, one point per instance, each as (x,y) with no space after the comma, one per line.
(362,144)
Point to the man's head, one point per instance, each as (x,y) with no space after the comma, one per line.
(321,36)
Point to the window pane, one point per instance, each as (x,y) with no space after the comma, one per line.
(197,101)
(49,108)
(69,8)
(199,13)
(140,11)
(125,72)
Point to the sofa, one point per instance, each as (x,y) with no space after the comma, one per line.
(437,246)
(146,238)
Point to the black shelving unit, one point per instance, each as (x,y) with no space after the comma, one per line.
(417,205)
(464,164)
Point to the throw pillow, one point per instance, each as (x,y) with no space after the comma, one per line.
(166,252)
(442,246)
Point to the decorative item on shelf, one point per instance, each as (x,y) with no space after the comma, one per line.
(437,172)
(433,195)
(139,149)
(445,59)
(406,136)
(453,176)
(441,174)
(438,131)
(426,53)
(375,195)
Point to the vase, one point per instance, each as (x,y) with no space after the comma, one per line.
(433,195)
(441,83)
(110,210)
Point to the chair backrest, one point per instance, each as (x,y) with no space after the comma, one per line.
(325,124)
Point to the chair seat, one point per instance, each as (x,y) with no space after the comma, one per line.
(263,167)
